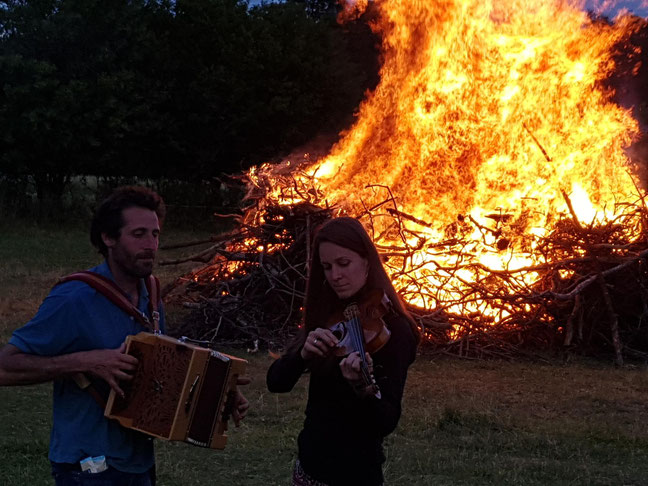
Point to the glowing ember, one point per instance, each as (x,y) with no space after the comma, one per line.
(487,115)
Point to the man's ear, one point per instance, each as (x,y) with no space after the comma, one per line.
(108,241)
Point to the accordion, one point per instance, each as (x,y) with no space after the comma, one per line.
(180,391)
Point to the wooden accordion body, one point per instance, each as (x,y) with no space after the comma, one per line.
(179,392)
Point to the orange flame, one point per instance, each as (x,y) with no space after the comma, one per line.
(487,111)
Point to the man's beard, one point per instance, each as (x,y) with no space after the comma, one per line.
(138,266)
(141,269)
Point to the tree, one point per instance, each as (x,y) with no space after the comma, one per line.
(184,89)
(320,8)
(71,78)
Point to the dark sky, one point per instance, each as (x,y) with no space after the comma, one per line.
(637,7)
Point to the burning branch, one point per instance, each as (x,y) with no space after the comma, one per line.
(252,289)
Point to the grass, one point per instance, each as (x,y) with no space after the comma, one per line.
(464,422)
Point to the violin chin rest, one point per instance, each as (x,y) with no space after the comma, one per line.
(339,330)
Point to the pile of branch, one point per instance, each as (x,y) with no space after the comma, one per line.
(252,288)
(588,293)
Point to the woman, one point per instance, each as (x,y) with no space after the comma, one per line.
(346,420)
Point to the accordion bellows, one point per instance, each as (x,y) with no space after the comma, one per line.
(180,391)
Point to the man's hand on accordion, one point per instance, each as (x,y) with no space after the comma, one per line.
(111,365)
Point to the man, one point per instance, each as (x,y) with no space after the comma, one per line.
(78,330)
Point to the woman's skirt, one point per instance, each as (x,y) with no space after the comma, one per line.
(301,478)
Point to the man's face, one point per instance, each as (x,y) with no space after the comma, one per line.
(133,253)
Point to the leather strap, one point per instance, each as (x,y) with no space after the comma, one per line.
(153,288)
(84,383)
(114,294)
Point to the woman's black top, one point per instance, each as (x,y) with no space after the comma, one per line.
(341,442)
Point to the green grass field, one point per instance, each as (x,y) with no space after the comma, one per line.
(464,422)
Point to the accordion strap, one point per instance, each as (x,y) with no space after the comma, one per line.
(114,294)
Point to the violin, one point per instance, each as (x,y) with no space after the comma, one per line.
(361,329)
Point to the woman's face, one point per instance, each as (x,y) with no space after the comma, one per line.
(344,269)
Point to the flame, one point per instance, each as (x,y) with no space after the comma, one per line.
(487,112)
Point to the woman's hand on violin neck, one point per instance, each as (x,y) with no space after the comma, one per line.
(363,385)
(319,344)
(351,368)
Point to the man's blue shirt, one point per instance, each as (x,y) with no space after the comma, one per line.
(75,317)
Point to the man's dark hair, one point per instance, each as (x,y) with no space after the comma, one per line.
(108,218)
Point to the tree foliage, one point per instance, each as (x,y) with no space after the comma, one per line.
(185,89)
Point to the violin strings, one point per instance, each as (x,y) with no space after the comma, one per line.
(358,343)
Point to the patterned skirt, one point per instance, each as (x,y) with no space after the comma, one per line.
(301,478)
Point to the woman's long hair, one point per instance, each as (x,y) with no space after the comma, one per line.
(321,298)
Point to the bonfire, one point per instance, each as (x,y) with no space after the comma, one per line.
(489,165)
